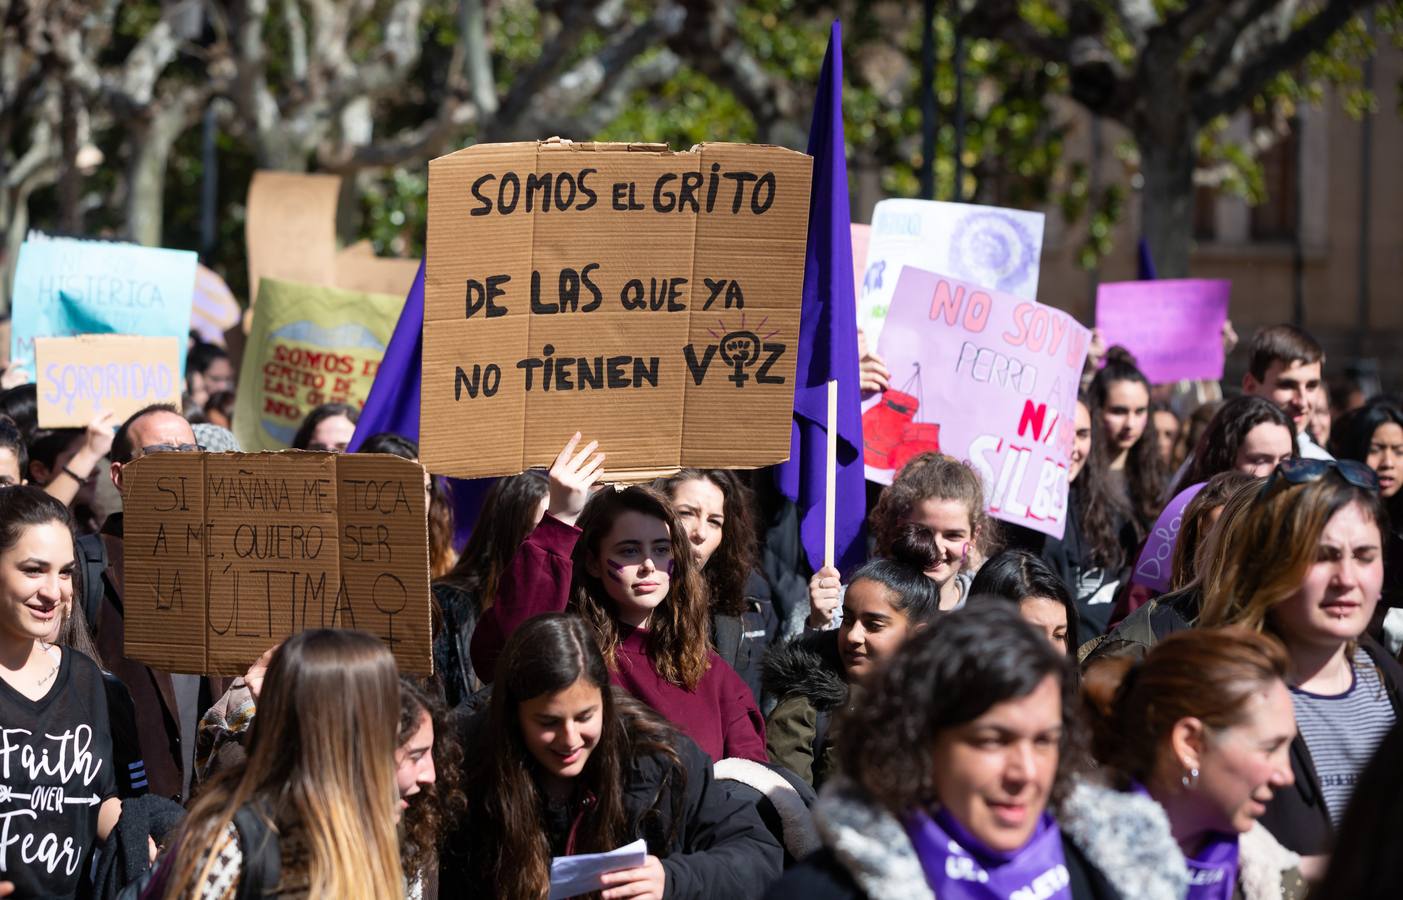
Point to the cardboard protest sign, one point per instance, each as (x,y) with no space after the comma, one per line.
(226,554)
(309,345)
(992,248)
(66,287)
(1156,563)
(647,297)
(80,378)
(290,229)
(984,377)
(1173,327)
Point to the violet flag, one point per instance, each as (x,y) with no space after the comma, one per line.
(393,404)
(828,341)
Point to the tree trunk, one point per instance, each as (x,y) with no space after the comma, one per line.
(1167,156)
(146,173)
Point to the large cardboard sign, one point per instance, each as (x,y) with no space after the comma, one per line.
(81,378)
(984,377)
(226,554)
(66,287)
(994,248)
(648,297)
(309,345)
(1173,327)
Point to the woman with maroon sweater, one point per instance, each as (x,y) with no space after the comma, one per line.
(629,571)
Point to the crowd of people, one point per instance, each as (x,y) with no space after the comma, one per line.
(977,711)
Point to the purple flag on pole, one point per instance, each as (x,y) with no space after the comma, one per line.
(393,404)
(828,340)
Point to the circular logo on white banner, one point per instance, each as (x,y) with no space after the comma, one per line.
(992,249)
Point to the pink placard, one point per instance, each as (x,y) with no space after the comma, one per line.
(1156,562)
(988,378)
(862,236)
(1173,327)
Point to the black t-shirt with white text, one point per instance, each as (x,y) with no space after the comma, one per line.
(55,771)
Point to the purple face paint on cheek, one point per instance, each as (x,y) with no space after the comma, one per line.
(614,570)
(670,564)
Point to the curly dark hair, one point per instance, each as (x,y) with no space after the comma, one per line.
(730,566)
(678,643)
(1217,448)
(429,815)
(945,676)
(926,477)
(1145,471)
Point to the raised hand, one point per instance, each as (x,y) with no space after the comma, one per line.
(571,477)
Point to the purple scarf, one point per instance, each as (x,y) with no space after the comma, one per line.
(1213,872)
(957,865)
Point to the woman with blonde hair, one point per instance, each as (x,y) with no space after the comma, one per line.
(1305,564)
(313,810)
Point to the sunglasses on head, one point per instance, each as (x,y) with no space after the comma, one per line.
(1303,471)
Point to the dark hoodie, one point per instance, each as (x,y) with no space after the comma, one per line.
(808,678)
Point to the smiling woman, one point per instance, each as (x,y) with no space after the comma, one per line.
(958,782)
(58,797)
(562,764)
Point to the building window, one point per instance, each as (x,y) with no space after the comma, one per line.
(1274,219)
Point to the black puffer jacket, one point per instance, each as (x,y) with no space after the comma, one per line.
(459,609)
(807,676)
(712,844)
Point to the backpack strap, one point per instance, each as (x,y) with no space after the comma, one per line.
(258,841)
(92,560)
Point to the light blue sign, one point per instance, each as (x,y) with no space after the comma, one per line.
(66,287)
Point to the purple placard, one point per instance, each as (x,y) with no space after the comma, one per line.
(1173,327)
(1157,559)
(989,377)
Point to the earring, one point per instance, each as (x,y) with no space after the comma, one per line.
(1190,781)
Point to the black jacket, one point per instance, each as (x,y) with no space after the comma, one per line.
(712,844)
(822,877)
(1297,815)
(458,609)
(741,640)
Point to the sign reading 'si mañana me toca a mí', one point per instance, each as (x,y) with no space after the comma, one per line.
(647,297)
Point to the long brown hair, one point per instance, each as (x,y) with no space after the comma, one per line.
(546,655)
(1210,674)
(509,513)
(728,569)
(678,642)
(1263,557)
(1145,470)
(1101,510)
(321,757)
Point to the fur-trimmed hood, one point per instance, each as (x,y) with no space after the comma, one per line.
(1265,869)
(1124,836)
(808,665)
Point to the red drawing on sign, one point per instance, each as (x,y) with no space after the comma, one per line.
(890,435)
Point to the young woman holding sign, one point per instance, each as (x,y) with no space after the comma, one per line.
(630,572)
(941,494)
(957,782)
(59,795)
(563,764)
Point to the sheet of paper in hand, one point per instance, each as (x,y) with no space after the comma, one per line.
(1173,327)
(650,298)
(985,377)
(228,553)
(571,876)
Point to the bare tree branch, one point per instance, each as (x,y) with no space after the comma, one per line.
(1260,69)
